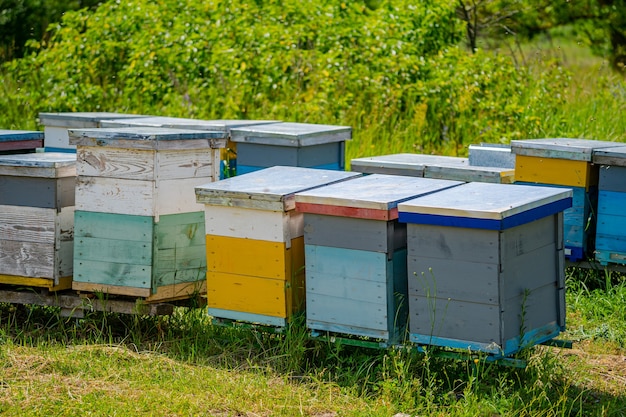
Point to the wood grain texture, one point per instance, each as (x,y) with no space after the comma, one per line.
(28,224)
(28,259)
(92,287)
(137,197)
(146,165)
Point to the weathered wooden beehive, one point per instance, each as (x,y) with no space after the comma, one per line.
(355,253)
(486,266)
(491,155)
(290,144)
(611,223)
(56,125)
(255,243)
(19,141)
(432,166)
(568,163)
(138,228)
(228,153)
(37,219)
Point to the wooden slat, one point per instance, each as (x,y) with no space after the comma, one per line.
(140,164)
(27,259)
(113,275)
(336,264)
(247,294)
(110,289)
(63,283)
(113,250)
(135,197)
(113,226)
(341,311)
(272,226)
(179,291)
(180,230)
(555,171)
(28,224)
(250,257)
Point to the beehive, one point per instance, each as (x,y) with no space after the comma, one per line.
(566,162)
(36,219)
(138,228)
(290,144)
(228,153)
(408,164)
(431,166)
(611,224)
(491,155)
(19,141)
(355,252)
(255,243)
(486,266)
(56,125)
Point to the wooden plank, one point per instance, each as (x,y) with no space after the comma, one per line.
(610,156)
(244,223)
(611,203)
(64,259)
(147,138)
(469,173)
(146,164)
(119,278)
(349,233)
(262,155)
(135,197)
(180,230)
(178,259)
(611,225)
(527,238)
(57,137)
(247,294)
(452,244)
(613,178)
(615,243)
(113,250)
(28,224)
(456,280)
(555,171)
(434,317)
(62,283)
(93,287)
(330,269)
(28,259)
(179,291)
(347,312)
(250,257)
(533,310)
(168,277)
(529,271)
(75,303)
(113,226)
(491,155)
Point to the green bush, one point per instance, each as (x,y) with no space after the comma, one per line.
(394,72)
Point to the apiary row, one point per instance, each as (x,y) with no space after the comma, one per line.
(459,259)
(593,170)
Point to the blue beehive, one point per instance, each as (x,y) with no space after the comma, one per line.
(611,223)
(290,144)
(486,266)
(355,254)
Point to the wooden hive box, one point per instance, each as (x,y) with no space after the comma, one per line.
(37,219)
(486,266)
(355,252)
(255,243)
(290,144)
(408,164)
(228,153)
(431,166)
(19,141)
(566,162)
(611,224)
(491,155)
(56,125)
(138,229)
